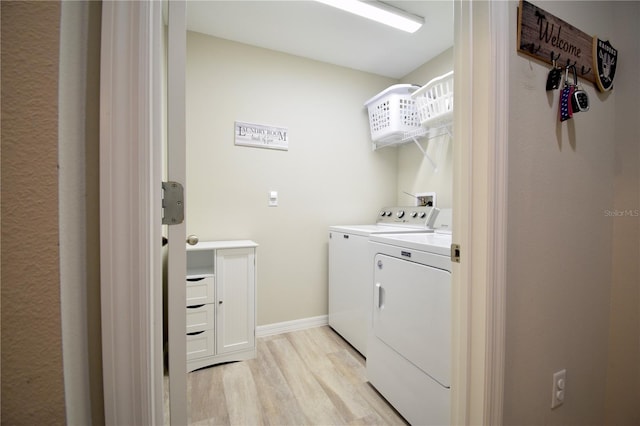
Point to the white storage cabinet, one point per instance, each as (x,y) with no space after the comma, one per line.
(221,302)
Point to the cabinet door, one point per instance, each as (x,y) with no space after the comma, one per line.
(235,299)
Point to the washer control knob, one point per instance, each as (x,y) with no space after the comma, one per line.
(414,214)
(383,213)
(422,215)
(400,214)
(388,213)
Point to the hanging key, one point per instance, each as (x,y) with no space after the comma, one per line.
(554,77)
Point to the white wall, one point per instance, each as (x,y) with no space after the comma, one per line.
(415,173)
(559,266)
(329,175)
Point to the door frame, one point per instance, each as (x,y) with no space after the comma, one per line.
(176,163)
(131,309)
(130,196)
(481,58)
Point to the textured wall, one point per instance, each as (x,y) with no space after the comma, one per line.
(32,379)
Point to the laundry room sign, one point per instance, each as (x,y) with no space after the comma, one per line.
(261,136)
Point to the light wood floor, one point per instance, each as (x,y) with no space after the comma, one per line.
(308,377)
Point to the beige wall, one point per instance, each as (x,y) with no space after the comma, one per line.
(415,173)
(623,379)
(32,377)
(50,134)
(562,179)
(329,175)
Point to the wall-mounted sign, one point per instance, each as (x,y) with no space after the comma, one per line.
(547,38)
(605,58)
(554,41)
(261,136)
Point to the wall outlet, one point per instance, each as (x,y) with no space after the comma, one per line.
(426,199)
(559,384)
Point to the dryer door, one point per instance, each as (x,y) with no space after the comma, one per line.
(412,313)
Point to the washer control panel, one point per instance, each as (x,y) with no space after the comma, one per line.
(418,216)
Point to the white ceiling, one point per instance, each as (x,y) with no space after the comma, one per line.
(316,31)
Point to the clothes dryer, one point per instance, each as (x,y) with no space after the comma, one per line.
(409,345)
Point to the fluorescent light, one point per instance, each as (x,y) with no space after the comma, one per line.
(379,12)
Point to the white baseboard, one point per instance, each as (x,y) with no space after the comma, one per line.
(294,325)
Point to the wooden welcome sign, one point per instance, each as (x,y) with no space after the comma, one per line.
(547,38)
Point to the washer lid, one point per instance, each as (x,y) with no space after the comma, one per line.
(366,230)
(438,243)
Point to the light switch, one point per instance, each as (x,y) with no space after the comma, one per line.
(273,198)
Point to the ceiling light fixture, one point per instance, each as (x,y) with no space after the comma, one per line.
(379,12)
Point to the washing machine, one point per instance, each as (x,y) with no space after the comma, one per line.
(350,271)
(409,345)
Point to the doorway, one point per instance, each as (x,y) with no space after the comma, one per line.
(465,15)
(329,174)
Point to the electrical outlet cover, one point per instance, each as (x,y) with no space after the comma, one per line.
(559,384)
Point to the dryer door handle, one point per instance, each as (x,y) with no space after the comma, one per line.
(380,295)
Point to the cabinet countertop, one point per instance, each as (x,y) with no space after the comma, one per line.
(215,245)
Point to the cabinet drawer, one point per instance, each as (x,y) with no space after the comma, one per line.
(200,318)
(200,290)
(201,344)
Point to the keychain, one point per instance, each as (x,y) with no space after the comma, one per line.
(579,98)
(554,77)
(566,94)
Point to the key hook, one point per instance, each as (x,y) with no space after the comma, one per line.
(575,75)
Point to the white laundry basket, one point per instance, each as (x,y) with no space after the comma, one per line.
(434,101)
(392,112)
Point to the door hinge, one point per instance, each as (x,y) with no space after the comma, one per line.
(455,253)
(172,203)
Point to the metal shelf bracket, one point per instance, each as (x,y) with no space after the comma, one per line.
(427,133)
